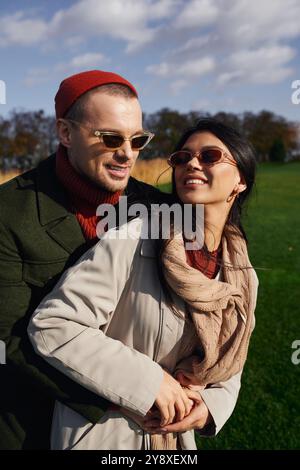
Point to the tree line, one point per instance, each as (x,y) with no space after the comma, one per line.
(26,137)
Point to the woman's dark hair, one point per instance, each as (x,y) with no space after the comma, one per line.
(243,153)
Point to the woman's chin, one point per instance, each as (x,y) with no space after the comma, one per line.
(192,199)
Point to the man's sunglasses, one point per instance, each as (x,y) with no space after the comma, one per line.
(208,156)
(114,140)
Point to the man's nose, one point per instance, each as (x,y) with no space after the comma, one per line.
(125,151)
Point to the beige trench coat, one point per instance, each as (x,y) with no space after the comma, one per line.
(106,325)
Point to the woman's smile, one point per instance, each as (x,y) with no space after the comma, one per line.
(191,182)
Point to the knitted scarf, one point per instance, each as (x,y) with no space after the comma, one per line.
(84,196)
(222,314)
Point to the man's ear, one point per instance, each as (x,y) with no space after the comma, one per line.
(63,132)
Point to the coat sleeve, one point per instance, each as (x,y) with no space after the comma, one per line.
(23,367)
(220,399)
(67,330)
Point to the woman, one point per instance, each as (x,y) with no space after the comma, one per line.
(132,313)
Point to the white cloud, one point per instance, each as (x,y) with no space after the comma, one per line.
(197,13)
(74,41)
(162,8)
(161,70)
(127,20)
(177,86)
(196,68)
(248,44)
(246,24)
(194,44)
(118,19)
(264,65)
(180,75)
(39,75)
(239,40)
(17,30)
(90,59)
(188,69)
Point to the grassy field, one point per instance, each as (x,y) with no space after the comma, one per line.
(267,415)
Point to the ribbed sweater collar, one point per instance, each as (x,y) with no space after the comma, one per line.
(84,196)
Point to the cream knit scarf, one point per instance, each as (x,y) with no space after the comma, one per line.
(222,314)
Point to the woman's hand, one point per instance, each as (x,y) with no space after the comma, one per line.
(198,418)
(187,381)
(172,401)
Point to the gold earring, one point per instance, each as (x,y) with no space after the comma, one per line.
(232,195)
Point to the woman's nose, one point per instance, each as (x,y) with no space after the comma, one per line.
(195,162)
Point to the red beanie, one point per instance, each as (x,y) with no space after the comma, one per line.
(73,87)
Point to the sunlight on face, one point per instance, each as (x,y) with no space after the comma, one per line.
(199,183)
(107,168)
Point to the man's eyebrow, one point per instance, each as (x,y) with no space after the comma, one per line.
(117,131)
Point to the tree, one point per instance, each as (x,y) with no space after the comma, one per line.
(26,138)
(167,125)
(277,151)
(266,127)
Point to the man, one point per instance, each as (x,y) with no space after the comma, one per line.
(47,221)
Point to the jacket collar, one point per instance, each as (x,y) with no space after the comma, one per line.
(60,224)
(52,201)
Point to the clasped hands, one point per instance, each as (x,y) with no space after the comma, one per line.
(177,408)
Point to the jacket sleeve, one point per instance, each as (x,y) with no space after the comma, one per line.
(68,330)
(220,399)
(23,367)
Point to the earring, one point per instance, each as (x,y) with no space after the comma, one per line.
(234,193)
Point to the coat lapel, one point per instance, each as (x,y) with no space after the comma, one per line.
(60,224)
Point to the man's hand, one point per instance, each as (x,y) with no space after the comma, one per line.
(140,420)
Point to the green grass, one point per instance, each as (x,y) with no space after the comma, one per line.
(267,415)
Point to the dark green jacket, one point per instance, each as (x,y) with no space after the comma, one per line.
(39,239)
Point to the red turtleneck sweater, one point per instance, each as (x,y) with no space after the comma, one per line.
(84,196)
(199,260)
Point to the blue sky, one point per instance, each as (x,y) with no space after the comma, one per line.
(205,55)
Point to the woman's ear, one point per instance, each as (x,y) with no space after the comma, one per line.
(241,186)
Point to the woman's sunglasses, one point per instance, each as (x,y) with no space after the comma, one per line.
(114,140)
(209,156)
